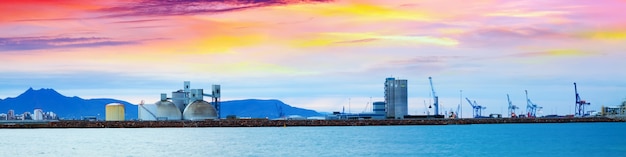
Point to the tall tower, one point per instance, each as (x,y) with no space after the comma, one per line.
(396,101)
(11,115)
(389,101)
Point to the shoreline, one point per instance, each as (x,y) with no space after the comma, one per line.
(291,123)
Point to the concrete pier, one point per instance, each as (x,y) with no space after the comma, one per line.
(286,123)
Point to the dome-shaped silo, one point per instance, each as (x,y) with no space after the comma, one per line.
(167,109)
(199,110)
(114,112)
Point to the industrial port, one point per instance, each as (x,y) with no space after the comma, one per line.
(187,108)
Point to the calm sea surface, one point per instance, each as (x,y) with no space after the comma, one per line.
(571,139)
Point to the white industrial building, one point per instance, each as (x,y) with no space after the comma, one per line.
(144,112)
(38,114)
(185,104)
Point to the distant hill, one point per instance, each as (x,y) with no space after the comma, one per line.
(255,108)
(76,107)
(65,107)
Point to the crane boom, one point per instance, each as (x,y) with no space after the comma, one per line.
(509,99)
(435,97)
(470,102)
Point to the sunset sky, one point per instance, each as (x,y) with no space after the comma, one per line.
(320,55)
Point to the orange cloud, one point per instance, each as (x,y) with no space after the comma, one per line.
(328,39)
(362,11)
(218,44)
(555,53)
(606,35)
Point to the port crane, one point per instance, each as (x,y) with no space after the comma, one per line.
(580,104)
(531,108)
(512,107)
(477,108)
(435,97)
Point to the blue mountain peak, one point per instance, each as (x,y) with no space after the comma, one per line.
(43,92)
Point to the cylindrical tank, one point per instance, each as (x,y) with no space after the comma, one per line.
(114,112)
(146,112)
(167,109)
(379,107)
(178,98)
(199,110)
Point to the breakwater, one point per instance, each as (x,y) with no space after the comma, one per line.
(287,123)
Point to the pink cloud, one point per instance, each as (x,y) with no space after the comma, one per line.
(191,7)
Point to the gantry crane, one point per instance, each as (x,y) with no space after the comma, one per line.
(531,108)
(512,107)
(435,97)
(477,108)
(580,104)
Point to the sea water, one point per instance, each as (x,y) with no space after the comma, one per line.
(567,139)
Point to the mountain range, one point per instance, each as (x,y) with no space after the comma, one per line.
(76,107)
(65,107)
(255,108)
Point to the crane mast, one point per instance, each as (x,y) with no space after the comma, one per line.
(580,104)
(477,108)
(435,97)
(512,107)
(531,108)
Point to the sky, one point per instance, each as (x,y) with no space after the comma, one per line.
(321,54)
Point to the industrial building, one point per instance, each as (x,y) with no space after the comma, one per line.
(38,114)
(146,112)
(114,112)
(395,105)
(185,104)
(618,112)
(11,115)
(377,107)
(396,100)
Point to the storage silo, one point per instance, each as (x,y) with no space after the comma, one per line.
(396,101)
(389,100)
(195,94)
(199,110)
(114,112)
(379,107)
(179,99)
(167,109)
(146,112)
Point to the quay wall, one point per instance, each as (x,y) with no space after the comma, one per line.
(285,123)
